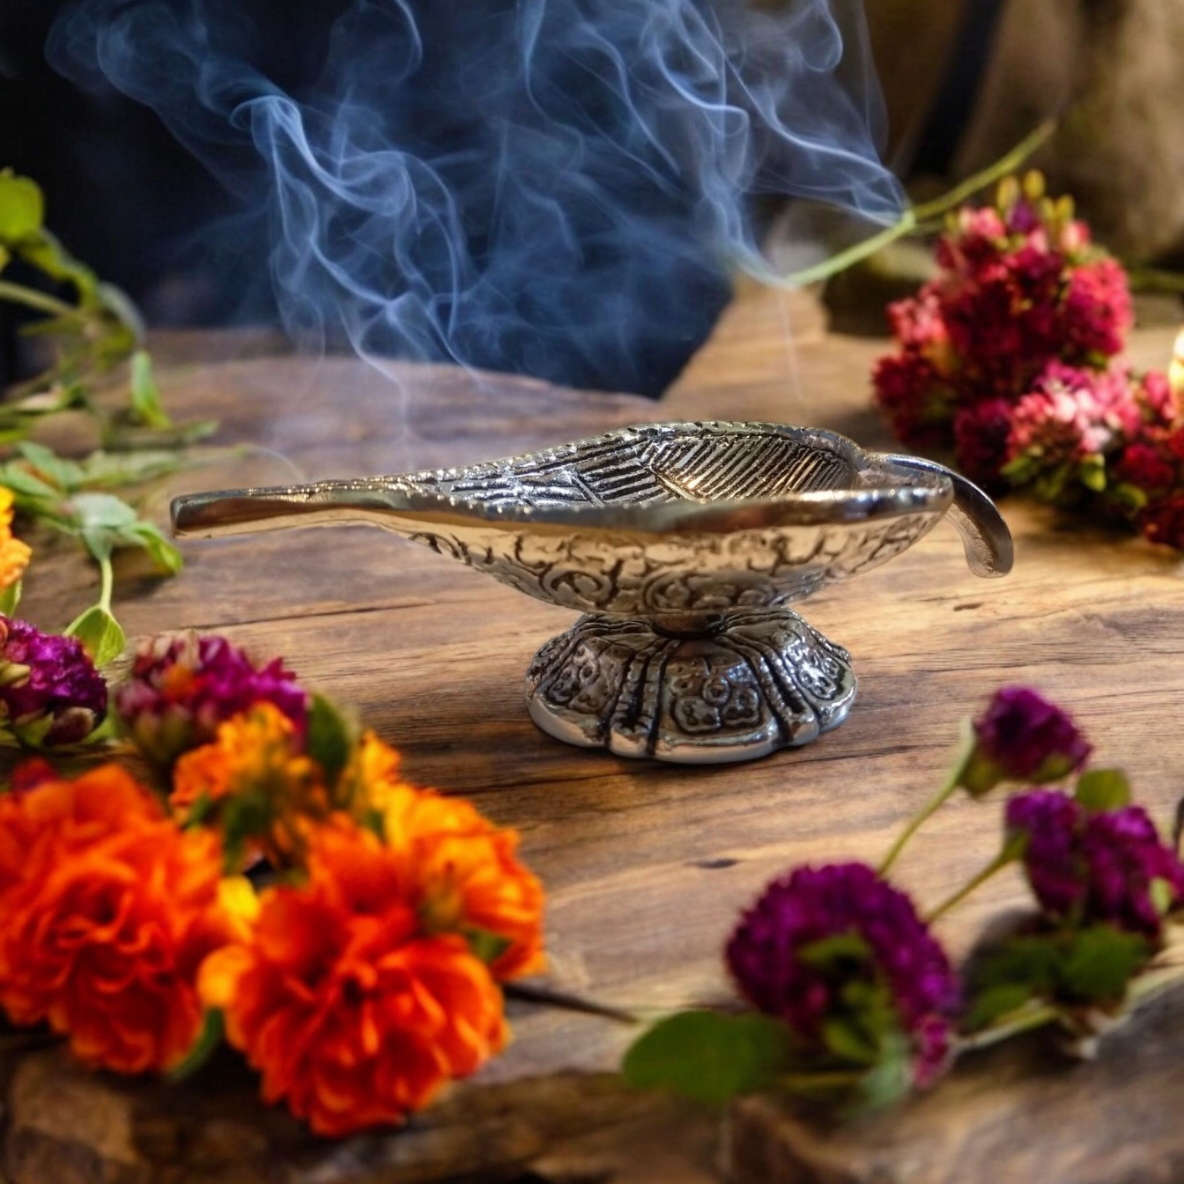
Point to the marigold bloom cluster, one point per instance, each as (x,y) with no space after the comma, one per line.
(14,555)
(353,996)
(107,912)
(363,973)
(1010,357)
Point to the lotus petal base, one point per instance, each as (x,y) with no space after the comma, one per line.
(747,684)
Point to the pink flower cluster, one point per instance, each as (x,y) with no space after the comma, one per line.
(1010,356)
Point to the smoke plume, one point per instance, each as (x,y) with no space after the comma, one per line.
(559,188)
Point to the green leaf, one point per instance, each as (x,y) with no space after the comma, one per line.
(120,305)
(100,633)
(105,511)
(708,1056)
(489,947)
(891,1078)
(106,470)
(1129,495)
(120,436)
(149,537)
(1019,471)
(849,1042)
(995,1002)
(10,597)
(1163,895)
(49,256)
(331,737)
(208,1039)
(200,811)
(147,408)
(65,475)
(22,208)
(1103,789)
(26,486)
(1092,473)
(1100,962)
(840,947)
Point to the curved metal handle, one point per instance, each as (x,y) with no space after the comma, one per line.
(985,537)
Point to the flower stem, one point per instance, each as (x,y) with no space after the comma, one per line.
(1007,855)
(918,820)
(915,215)
(31,298)
(1024,1019)
(563,1001)
(107,575)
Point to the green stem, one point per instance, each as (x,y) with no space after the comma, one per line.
(107,573)
(918,820)
(564,1001)
(834,264)
(1154,279)
(1006,856)
(1023,1020)
(31,298)
(915,215)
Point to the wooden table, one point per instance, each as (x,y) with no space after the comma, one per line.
(645,864)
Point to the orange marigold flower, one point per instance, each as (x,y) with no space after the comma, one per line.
(107,911)
(351,1014)
(461,871)
(371,776)
(14,555)
(257,777)
(464,874)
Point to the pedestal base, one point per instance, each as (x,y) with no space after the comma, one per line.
(755,681)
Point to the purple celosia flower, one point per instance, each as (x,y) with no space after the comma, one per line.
(182,688)
(1023,737)
(769,957)
(50,692)
(1089,866)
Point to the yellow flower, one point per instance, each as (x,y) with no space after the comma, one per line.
(14,555)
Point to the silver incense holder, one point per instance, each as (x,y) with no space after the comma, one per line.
(681,544)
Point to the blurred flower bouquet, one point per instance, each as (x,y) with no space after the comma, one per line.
(1011,357)
(273,881)
(851,997)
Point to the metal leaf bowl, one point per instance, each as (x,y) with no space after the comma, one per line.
(682,544)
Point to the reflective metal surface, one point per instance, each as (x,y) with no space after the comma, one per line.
(683,543)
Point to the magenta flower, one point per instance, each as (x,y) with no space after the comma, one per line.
(182,688)
(50,692)
(1145,467)
(1096,310)
(981,437)
(1022,737)
(780,960)
(1096,866)
(1162,521)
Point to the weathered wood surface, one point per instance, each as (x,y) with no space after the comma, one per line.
(645,865)
(1017,1112)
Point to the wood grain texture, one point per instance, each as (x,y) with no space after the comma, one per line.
(646,865)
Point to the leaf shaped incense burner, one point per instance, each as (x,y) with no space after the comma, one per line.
(682,544)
